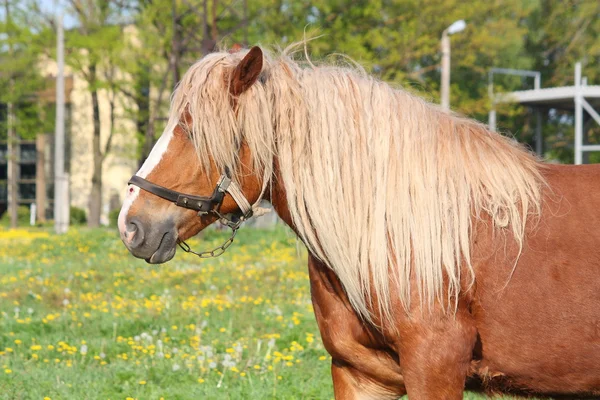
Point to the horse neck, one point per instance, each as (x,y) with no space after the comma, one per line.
(278,198)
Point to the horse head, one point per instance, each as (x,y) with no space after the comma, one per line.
(182,188)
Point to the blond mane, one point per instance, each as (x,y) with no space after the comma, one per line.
(381,185)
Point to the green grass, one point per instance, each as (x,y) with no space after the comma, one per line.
(82,319)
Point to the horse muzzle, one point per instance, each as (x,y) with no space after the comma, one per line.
(154,243)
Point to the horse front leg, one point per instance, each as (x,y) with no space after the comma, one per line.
(351,384)
(362,366)
(435,356)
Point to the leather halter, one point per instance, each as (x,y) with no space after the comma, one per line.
(205,205)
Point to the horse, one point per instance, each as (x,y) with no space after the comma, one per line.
(442,255)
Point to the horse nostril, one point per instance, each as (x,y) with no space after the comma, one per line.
(135,233)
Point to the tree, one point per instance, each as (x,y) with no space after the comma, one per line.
(95,45)
(20,82)
(170,35)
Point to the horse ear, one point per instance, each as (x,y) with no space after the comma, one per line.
(246,72)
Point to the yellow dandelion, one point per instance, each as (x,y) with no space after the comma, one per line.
(200,380)
(8,371)
(142,382)
(322,358)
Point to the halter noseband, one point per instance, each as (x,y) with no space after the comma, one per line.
(204,206)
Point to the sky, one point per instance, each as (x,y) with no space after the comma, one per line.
(54,6)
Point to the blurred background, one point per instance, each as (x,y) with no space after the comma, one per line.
(122,59)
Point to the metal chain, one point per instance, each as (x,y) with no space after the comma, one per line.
(217,251)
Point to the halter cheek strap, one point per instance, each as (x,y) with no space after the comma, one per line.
(226,185)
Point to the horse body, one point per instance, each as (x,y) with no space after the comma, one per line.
(500,280)
(546,343)
(539,329)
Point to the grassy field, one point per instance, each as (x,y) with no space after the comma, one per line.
(82,319)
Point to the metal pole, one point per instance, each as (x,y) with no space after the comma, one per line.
(578,116)
(492,119)
(445,84)
(539,141)
(492,114)
(60,225)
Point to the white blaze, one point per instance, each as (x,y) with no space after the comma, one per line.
(157,153)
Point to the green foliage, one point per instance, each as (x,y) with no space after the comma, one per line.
(77,216)
(113,217)
(139,48)
(23,214)
(22,49)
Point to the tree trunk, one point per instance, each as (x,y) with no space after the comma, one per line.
(142,100)
(153,117)
(96,192)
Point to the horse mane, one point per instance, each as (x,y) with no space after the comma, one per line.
(381,185)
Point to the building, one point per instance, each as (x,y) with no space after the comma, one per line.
(35,159)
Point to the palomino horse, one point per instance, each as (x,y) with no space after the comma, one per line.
(442,255)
